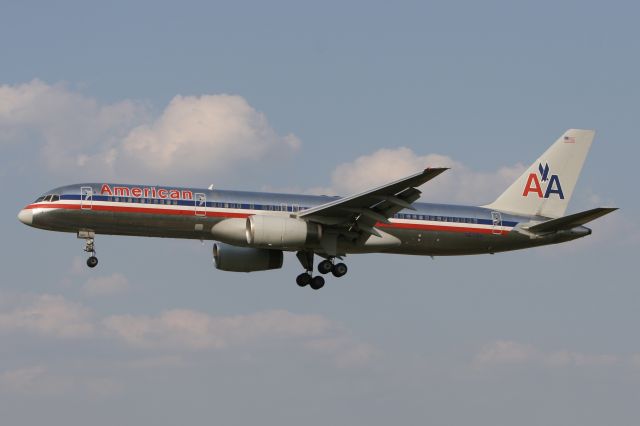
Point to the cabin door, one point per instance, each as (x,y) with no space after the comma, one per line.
(200,204)
(496,219)
(86,198)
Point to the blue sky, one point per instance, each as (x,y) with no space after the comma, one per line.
(329,97)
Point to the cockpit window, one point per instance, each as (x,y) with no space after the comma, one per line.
(48,198)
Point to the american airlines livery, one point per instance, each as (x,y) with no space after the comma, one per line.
(252,229)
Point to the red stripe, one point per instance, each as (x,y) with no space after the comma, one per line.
(440,228)
(148,210)
(173,212)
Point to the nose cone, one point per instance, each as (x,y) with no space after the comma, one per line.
(26,216)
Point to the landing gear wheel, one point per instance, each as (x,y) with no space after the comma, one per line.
(92,262)
(317,283)
(325,266)
(339,270)
(303,279)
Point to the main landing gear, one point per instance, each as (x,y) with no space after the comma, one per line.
(306,278)
(89,247)
(338,269)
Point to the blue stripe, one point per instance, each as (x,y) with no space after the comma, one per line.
(277,207)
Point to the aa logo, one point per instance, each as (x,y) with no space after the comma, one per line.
(544,185)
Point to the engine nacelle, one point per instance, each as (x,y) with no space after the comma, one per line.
(281,232)
(245,259)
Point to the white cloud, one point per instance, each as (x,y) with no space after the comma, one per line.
(48,315)
(39,380)
(210,132)
(182,330)
(187,330)
(114,283)
(163,361)
(566,358)
(192,330)
(68,125)
(344,351)
(460,184)
(22,379)
(194,137)
(507,352)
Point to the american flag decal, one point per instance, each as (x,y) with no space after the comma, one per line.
(569,139)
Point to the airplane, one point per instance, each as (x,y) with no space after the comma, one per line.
(251,230)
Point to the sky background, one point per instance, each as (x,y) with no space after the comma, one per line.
(323,97)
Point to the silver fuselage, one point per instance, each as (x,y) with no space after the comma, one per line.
(193,213)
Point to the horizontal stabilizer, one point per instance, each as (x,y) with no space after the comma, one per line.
(571,221)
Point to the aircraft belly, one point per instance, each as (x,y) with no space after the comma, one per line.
(442,243)
(135,224)
(398,241)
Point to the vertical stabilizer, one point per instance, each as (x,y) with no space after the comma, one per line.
(545,188)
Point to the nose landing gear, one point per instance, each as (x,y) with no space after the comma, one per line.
(92,261)
(89,247)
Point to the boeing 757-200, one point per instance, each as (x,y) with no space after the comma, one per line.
(252,229)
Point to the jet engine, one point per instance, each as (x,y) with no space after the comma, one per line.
(281,232)
(245,259)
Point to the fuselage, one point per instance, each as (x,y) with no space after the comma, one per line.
(195,213)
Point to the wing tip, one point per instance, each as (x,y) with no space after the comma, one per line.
(436,169)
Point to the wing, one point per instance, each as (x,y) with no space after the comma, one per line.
(357,215)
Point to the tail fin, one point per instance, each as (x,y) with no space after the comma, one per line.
(545,188)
